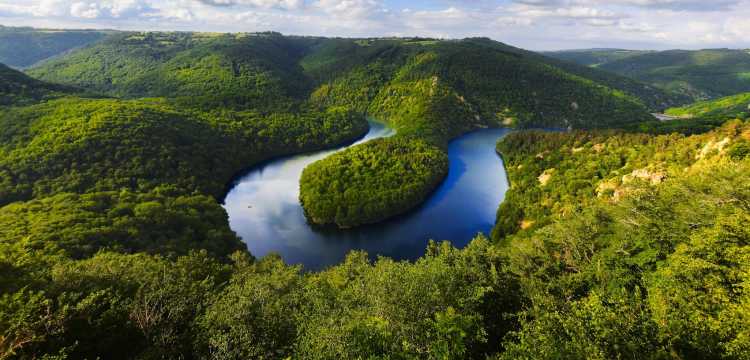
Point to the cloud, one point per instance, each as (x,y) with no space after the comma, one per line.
(266,4)
(351,8)
(84,10)
(534,24)
(683,5)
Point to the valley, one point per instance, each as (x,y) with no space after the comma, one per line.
(195,195)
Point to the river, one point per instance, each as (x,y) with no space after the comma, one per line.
(264,208)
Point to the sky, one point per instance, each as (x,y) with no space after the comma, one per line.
(530,24)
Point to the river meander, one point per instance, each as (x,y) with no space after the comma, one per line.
(264,208)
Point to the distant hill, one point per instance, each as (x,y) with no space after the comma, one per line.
(16,88)
(594,57)
(701,74)
(22,47)
(269,71)
(428,90)
(258,71)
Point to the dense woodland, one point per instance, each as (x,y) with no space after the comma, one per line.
(629,245)
(610,244)
(434,91)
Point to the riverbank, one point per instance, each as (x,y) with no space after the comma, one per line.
(461,206)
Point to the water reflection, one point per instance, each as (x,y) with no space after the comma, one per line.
(264,208)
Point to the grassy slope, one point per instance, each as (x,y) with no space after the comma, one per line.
(23,47)
(699,117)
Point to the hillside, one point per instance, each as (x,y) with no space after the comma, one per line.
(640,233)
(16,88)
(593,57)
(258,71)
(248,70)
(434,91)
(610,244)
(661,259)
(428,90)
(21,47)
(83,145)
(652,97)
(700,75)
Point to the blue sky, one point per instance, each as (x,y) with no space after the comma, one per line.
(531,24)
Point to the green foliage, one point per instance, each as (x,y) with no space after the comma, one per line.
(630,264)
(434,92)
(609,245)
(699,117)
(255,316)
(453,304)
(359,185)
(400,310)
(159,221)
(80,145)
(23,47)
(557,174)
(114,306)
(700,293)
(426,89)
(534,91)
(257,71)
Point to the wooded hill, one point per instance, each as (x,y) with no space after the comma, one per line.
(430,90)
(610,244)
(698,74)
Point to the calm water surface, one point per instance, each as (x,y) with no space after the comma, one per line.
(264,207)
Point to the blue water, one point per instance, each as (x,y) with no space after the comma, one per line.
(265,212)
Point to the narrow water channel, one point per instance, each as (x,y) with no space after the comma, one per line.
(264,208)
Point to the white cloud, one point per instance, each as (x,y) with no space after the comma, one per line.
(535,24)
(267,4)
(85,10)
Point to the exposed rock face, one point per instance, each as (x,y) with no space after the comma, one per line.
(655,177)
(712,146)
(526,224)
(605,187)
(545,177)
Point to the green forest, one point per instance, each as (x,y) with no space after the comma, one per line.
(621,237)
